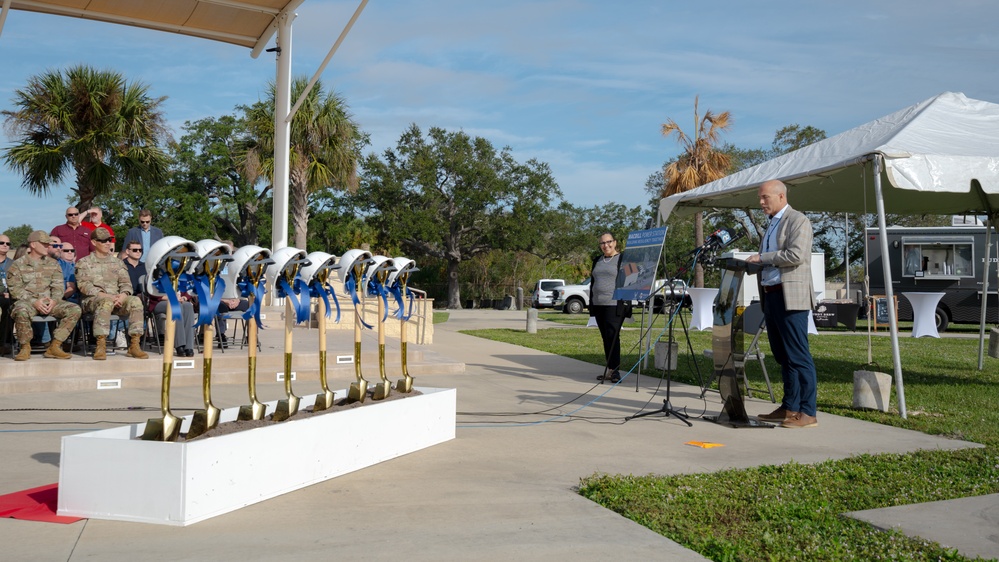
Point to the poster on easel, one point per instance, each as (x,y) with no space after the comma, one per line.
(639,262)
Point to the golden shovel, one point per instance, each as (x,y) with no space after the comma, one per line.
(384,388)
(255,410)
(358,389)
(166,428)
(405,384)
(325,399)
(208,418)
(289,406)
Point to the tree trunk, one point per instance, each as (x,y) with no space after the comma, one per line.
(453,292)
(300,214)
(698,242)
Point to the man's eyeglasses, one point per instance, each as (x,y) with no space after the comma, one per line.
(72,214)
(55,245)
(135,250)
(606,242)
(145,222)
(4,243)
(69,251)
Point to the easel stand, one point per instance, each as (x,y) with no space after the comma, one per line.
(667,408)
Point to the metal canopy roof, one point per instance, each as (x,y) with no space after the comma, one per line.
(247,23)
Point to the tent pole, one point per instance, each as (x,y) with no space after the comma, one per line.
(985,295)
(282,132)
(889,293)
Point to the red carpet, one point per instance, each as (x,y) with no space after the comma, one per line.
(36,504)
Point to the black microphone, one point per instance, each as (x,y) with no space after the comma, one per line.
(719,239)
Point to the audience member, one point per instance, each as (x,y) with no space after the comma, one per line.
(136,268)
(74,233)
(106,289)
(231,300)
(94,218)
(6,323)
(43,330)
(145,234)
(183,331)
(21,251)
(37,285)
(67,261)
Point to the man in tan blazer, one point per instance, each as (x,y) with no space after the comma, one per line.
(786,291)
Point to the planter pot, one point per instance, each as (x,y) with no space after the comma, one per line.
(110,474)
(871,390)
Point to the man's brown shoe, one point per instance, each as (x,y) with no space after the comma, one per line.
(799,420)
(778,415)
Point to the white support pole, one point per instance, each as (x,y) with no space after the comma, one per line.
(282,132)
(889,293)
(985,290)
(3,14)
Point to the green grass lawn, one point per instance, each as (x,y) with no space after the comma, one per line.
(792,511)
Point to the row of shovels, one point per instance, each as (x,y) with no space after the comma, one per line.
(179,264)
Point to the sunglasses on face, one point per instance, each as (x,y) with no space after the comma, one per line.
(145,222)
(4,243)
(69,251)
(72,214)
(135,250)
(55,245)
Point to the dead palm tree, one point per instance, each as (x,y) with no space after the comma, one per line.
(107,131)
(325,146)
(699,163)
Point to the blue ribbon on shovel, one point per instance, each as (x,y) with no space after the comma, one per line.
(377,289)
(351,286)
(165,286)
(247,288)
(209,302)
(322,290)
(293,292)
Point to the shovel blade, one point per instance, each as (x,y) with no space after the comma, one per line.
(358,391)
(287,408)
(324,401)
(382,390)
(254,411)
(404,385)
(166,428)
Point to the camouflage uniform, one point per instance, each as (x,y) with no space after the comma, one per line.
(30,279)
(96,275)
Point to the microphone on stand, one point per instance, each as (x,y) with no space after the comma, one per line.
(719,239)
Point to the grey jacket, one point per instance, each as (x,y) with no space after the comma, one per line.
(794,259)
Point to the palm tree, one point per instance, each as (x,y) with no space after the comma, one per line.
(325,147)
(699,163)
(108,131)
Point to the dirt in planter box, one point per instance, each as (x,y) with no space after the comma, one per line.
(338,406)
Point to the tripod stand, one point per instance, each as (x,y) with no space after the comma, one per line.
(667,408)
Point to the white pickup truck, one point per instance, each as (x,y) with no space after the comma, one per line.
(573,299)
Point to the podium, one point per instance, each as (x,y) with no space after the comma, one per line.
(727,342)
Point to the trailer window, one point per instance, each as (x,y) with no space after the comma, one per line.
(936,258)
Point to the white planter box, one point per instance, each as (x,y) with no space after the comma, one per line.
(109,474)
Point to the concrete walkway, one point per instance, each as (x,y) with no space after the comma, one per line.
(503,489)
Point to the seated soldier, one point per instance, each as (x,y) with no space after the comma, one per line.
(36,283)
(106,289)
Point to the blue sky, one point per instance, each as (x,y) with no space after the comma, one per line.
(581,84)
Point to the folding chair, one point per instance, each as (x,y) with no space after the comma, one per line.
(240,322)
(15,344)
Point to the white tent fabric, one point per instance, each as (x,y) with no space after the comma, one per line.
(939,156)
(931,150)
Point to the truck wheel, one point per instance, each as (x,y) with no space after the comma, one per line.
(572,306)
(942,319)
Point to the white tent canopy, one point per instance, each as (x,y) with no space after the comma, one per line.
(940,156)
(932,151)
